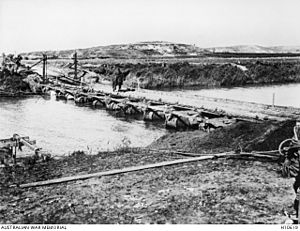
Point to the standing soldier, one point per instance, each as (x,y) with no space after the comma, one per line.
(117,80)
(291,166)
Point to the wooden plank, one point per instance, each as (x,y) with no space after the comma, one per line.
(181,108)
(29,144)
(124,170)
(117,100)
(191,154)
(155,103)
(252,154)
(188,113)
(160,108)
(210,115)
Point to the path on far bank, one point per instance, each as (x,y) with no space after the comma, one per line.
(231,107)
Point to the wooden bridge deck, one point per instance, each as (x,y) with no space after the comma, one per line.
(174,108)
(234,108)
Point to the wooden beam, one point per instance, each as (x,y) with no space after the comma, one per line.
(27,143)
(190,154)
(268,156)
(124,170)
(12,143)
(9,139)
(30,145)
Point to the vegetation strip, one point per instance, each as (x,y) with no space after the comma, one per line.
(124,170)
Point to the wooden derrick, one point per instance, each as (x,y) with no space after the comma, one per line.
(11,142)
(8,149)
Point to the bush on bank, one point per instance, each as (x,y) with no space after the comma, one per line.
(184,74)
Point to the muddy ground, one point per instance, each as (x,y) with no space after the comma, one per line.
(217,191)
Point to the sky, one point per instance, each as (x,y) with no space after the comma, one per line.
(35,25)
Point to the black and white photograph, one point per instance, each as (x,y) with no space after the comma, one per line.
(151,112)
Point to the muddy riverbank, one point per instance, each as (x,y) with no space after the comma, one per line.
(202,74)
(215,191)
(182,72)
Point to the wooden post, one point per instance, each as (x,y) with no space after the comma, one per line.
(15,153)
(273,99)
(75,65)
(44,67)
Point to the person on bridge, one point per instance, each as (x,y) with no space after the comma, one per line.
(118,80)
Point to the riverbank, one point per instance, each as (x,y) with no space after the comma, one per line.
(214,191)
(17,79)
(202,72)
(155,73)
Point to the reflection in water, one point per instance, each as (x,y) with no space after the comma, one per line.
(285,94)
(62,127)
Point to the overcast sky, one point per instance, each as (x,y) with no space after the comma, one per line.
(29,25)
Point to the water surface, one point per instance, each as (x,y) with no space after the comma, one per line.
(62,127)
(284,94)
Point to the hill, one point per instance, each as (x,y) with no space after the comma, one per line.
(136,50)
(162,49)
(255,49)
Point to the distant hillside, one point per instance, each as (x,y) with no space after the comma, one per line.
(255,49)
(161,49)
(136,50)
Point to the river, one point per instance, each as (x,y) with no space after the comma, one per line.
(284,94)
(61,127)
